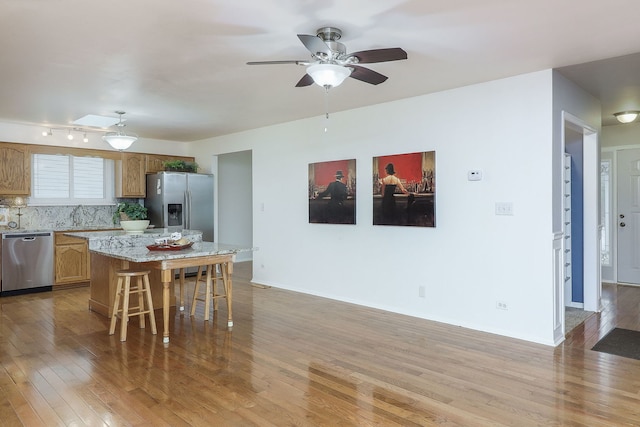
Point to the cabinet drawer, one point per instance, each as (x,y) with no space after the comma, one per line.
(61,239)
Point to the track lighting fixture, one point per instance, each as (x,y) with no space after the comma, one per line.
(120,140)
(70,132)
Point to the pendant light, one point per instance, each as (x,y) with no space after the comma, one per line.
(120,140)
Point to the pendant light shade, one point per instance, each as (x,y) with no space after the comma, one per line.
(120,140)
(328,75)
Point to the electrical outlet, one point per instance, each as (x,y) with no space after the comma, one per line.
(504,208)
(421,291)
(501,305)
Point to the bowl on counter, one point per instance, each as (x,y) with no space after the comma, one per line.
(135,227)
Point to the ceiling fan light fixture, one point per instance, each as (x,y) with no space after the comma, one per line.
(328,75)
(120,140)
(627,116)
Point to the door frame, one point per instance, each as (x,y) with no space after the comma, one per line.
(591,209)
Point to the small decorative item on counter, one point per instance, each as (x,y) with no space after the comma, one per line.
(165,244)
(4,216)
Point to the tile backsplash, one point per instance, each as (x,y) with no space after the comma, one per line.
(62,217)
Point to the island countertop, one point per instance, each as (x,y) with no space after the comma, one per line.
(118,239)
(142,254)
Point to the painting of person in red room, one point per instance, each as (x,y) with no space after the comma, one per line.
(404,189)
(332,190)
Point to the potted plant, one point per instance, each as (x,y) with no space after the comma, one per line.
(132,216)
(180,166)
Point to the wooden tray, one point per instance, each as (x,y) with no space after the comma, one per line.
(169,247)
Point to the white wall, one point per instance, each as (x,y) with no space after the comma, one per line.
(471,259)
(621,135)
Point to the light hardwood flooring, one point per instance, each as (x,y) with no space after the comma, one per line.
(298,360)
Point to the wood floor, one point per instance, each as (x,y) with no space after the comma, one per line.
(298,360)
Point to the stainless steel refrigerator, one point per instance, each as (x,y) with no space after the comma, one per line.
(180,200)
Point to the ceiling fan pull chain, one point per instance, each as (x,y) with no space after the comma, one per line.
(326,108)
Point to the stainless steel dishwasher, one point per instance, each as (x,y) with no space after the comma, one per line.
(27,262)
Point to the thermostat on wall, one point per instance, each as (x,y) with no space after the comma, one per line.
(474,175)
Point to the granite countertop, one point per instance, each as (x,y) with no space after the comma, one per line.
(118,239)
(63,229)
(142,254)
(150,232)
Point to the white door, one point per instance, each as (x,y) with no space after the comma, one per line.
(628,220)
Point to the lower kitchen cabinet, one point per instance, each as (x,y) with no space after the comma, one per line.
(72,260)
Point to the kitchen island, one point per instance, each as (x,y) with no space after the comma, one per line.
(114,251)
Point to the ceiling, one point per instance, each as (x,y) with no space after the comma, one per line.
(179,69)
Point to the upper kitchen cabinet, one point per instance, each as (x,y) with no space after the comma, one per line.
(130,175)
(155,162)
(15,170)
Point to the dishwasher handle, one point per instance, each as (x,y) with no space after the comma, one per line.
(24,236)
(28,239)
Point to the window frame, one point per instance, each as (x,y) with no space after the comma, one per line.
(108,185)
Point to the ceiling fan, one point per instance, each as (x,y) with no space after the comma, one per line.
(331,64)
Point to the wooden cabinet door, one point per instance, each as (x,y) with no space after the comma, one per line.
(15,170)
(155,161)
(72,263)
(130,175)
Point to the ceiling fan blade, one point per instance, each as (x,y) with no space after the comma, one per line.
(314,44)
(366,75)
(278,62)
(306,80)
(379,55)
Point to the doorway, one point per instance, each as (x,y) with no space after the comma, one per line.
(233,220)
(581,141)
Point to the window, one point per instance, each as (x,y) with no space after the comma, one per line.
(70,180)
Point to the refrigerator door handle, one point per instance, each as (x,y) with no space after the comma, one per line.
(187,209)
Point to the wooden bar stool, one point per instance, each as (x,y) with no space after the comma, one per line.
(124,289)
(212,274)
